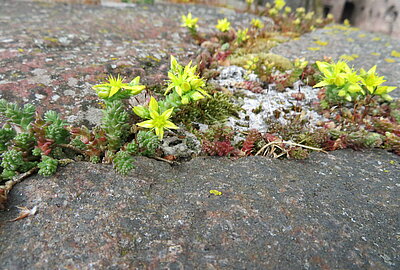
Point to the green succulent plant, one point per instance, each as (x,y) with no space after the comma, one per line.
(123,162)
(185,82)
(7,133)
(148,142)
(18,115)
(158,121)
(48,166)
(56,127)
(342,83)
(115,88)
(223,25)
(189,22)
(115,124)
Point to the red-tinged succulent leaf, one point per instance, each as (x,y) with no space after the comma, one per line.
(249,142)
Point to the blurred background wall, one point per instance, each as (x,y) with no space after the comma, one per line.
(373,15)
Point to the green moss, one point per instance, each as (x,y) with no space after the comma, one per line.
(208,111)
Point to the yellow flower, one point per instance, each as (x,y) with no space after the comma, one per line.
(288,9)
(279,4)
(189,22)
(257,23)
(300,63)
(273,12)
(114,84)
(309,15)
(223,25)
(242,35)
(158,121)
(395,53)
(300,10)
(347,57)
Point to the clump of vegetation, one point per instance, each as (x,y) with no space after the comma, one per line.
(217,141)
(30,142)
(294,22)
(364,115)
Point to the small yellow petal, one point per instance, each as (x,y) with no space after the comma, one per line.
(313,48)
(146,124)
(215,192)
(321,43)
(114,90)
(375,54)
(159,132)
(153,104)
(167,113)
(390,60)
(395,53)
(169,124)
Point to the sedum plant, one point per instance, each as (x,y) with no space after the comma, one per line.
(185,82)
(115,117)
(157,120)
(242,36)
(147,142)
(123,162)
(184,87)
(343,83)
(190,23)
(20,117)
(116,89)
(223,25)
(27,140)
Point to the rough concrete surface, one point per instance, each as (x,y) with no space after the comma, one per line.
(336,211)
(322,213)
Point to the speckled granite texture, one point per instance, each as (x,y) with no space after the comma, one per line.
(336,211)
(321,213)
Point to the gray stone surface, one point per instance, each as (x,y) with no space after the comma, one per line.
(336,211)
